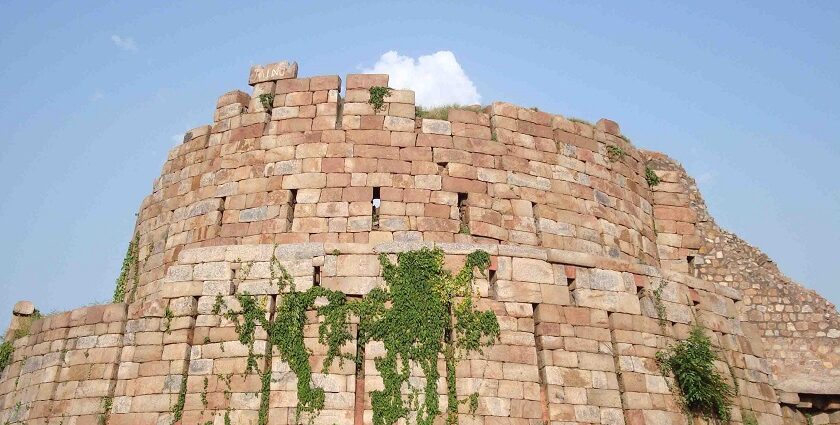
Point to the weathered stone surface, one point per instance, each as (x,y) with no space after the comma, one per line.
(274,71)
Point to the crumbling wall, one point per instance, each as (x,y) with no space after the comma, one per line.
(800,329)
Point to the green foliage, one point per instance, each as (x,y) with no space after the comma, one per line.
(6,351)
(702,390)
(442,112)
(651,177)
(749,419)
(377,97)
(464,229)
(177,409)
(129,270)
(432,313)
(107,403)
(267,101)
(809,419)
(615,153)
(423,312)
(168,315)
(659,305)
(204,393)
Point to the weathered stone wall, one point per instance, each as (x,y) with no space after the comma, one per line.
(308,171)
(578,242)
(800,329)
(578,340)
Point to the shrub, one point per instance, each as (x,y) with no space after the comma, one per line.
(702,389)
(651,177)
(377,97)
(6,350)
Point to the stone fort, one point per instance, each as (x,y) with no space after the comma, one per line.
(601,255)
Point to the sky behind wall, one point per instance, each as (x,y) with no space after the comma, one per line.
(94,94)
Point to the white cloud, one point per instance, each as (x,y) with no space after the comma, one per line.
(436,79)
(124,43)
(97,96)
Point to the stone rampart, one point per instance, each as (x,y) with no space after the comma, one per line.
(593,271)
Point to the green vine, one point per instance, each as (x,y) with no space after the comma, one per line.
(204,393)
(432,313)
(129,270)
(423,312)
(177,409)
(702,389)
(267,101)
(651,177)
(749,419)
(377,97)
(107,403)
(659,305)
(615,153)
(168,315)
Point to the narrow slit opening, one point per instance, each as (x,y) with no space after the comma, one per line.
(292,204)
(491,279)
(375,203)
(316,276)
(462,214)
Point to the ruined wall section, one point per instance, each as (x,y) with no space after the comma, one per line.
(65,370)
(801,329)
(308,167)
(578,342)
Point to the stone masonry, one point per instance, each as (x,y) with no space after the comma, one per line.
(307,170)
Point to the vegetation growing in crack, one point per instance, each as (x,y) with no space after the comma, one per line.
(129,272)
(267,101)
(700,387)
(177,409)
(651,177)
(377,97)
(107,403)
(615,153)
(656,297)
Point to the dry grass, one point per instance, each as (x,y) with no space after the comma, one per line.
(442,112)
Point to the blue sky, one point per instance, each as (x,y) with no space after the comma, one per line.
(93,94)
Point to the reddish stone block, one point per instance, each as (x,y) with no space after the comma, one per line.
(366,81)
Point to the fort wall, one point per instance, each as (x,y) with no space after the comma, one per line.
(325,180)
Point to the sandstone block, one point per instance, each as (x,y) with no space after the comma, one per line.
(440,127)
(273,71)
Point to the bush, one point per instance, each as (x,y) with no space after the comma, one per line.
(701,388)
(6,351)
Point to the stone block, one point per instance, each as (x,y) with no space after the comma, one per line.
(273,71)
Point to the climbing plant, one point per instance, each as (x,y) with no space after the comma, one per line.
(129,270)
(423,312)
(377,97)
(701,389)
(432,313)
